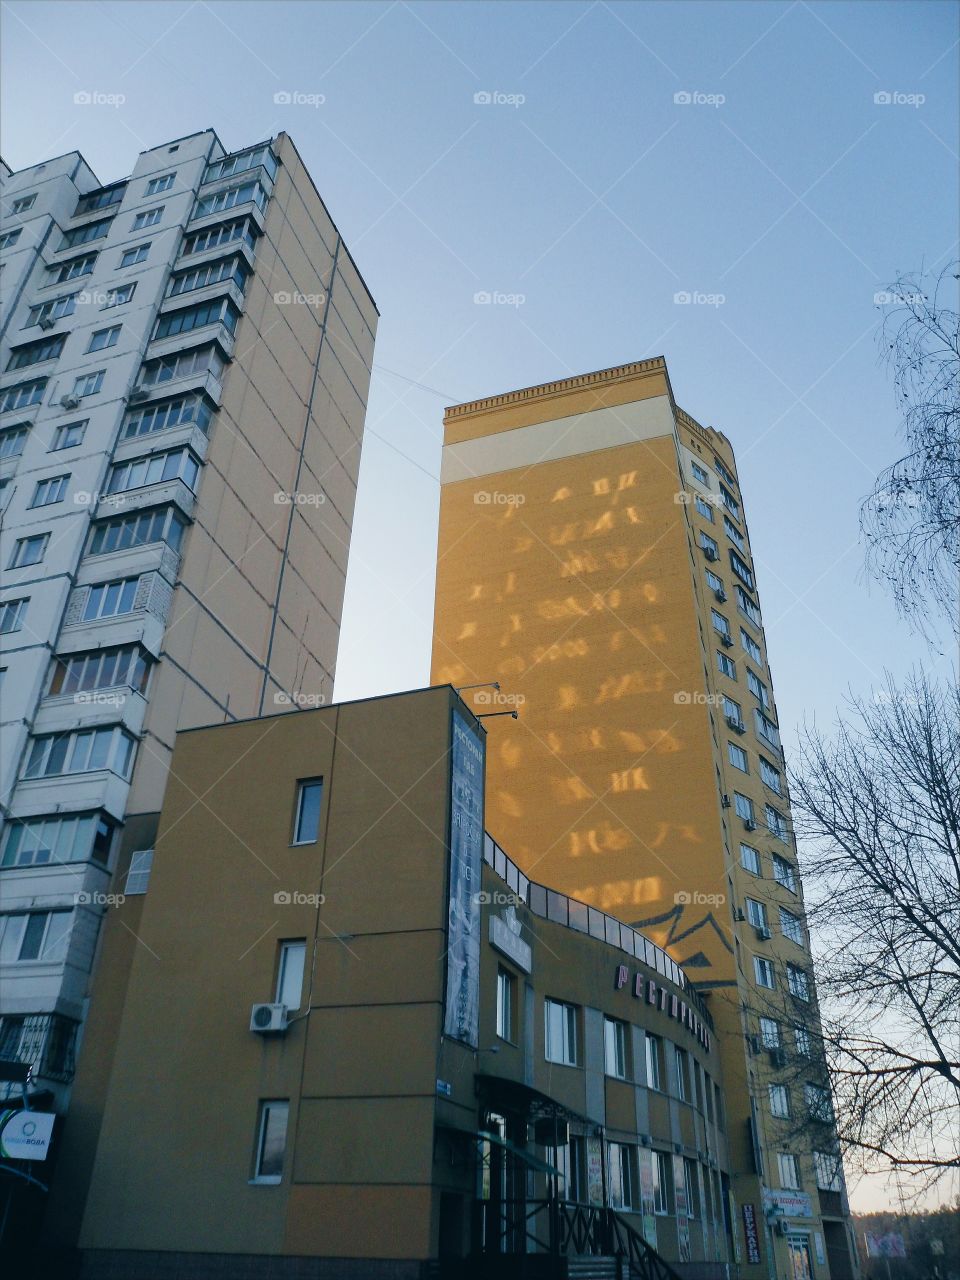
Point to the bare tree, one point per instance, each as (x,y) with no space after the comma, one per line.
(878,808)
(911,520)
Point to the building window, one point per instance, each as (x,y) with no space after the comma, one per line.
(817,1101)
(306,826)
(131,257)
(228,198)
(241,162)
(798,982)
(703,507)
(148,218)
(743,571)
(290,970)
(733,713)
(224,269)
(572,1163)
(111,599)
(124,667)
(86,234)
(138,876)
(561,1032)
(65,838)
(708,544)
(615,1048)
(24,203)
(662,1183)
(216,237)
(764,973)
(750,646)
(715,583)
(53,309)
(10,238)
(216,311)
(29,551)
(654,1058)
(163,524)
(506,988)
(105,198)
(723,473)
(621,1165)
(12,440)
(156,185)
(734,534)
(69,435)
(271,1142)
(36,352)
(802,1039)
(12,613)
(680,1067)
(758,688)
(743,806)
(757,913)
(720,623)
(750,859)
(746,605)
(779,1101)
(35,935)
(22,395)
(88,384)
(791,926)
(726,665)
(82,751)
(692,1185)
(101,339)
(770,1033)
(73,270)
(699,473)
(776,822)
(766,729)
(770,776)
(166,414)
(183,364)
(737,757)
(789,1169)
(117,297)
(155,468)
(829,1171)
(730,502)
(784,873)
(50,491)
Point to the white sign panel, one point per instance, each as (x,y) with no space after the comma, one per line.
(25,1135)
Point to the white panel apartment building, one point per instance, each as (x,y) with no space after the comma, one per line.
(181,352)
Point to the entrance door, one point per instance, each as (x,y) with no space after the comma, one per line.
(801,1267)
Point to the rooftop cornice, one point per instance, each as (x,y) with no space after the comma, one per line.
(581,382)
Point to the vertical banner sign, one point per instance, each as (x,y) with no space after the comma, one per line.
(462,1012)
(734,1233)
(594,1171)
(682,1195)
(646,1198)
(751,1234)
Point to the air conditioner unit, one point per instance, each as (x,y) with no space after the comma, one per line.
(724,802)
(755,1045)
(710,553)
(738,913)
(70,402)
(749,824)
(46,322)
(736,725)
(137,394)
(778,1058)
(720,594)
(726,640)
(268,1019)
(763,933)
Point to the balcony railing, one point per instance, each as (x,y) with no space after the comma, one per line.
(44,1041)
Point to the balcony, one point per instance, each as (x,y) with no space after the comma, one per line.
(64,712)
(46,1042)
(164,493)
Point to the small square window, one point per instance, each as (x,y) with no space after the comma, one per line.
(101,339)
(148,218)
(24,203)
(29,551)
(69,435)
(131,257)
(156,185)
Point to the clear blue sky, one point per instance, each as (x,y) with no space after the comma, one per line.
(598,198)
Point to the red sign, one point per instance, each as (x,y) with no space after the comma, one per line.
(750,1233)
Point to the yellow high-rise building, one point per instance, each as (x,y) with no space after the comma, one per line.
(594,561)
